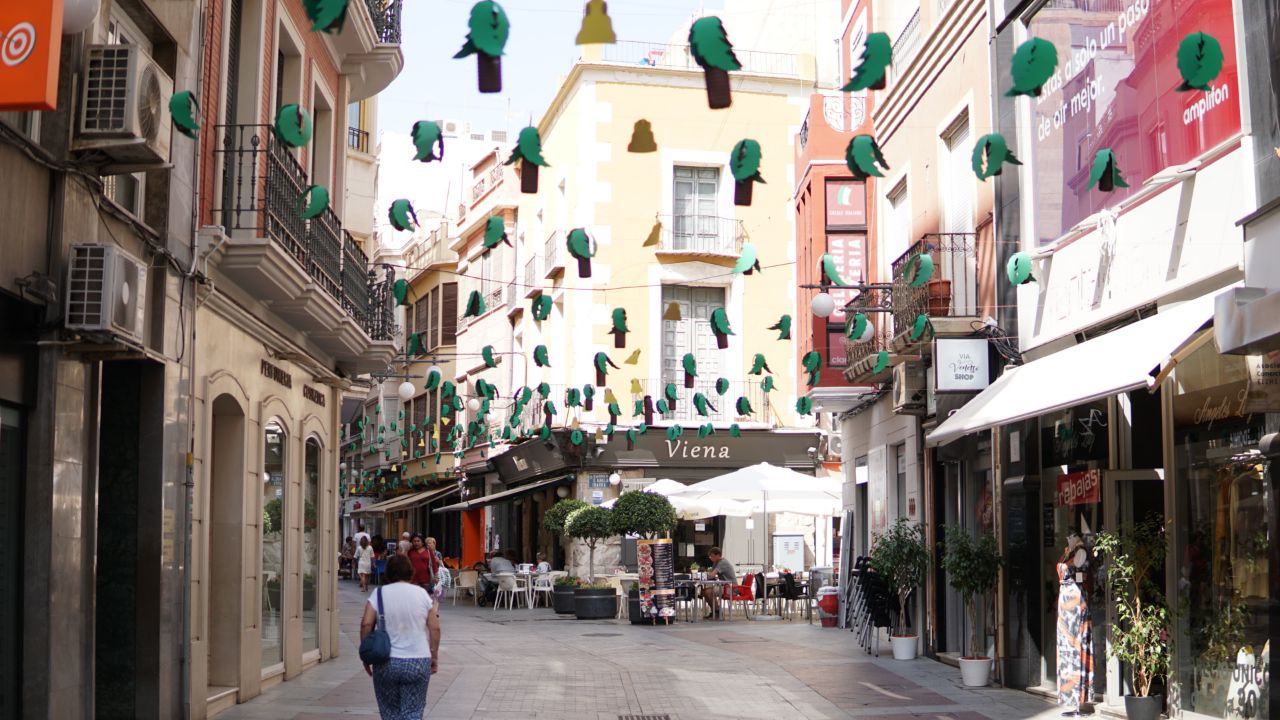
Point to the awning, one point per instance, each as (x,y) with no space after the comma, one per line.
(405,502)
(1120,361)
(511,494)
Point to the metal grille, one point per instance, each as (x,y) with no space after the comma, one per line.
(234,7)
(355,279)
(107,89)
(264,182)
(87,286)
(386,20)
(324,237)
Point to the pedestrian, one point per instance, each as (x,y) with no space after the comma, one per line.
(360,533)
(443,579)
(405,544)
(424,571)
(347,557)
(364,563)
(410,620)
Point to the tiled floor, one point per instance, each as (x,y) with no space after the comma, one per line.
(534,664)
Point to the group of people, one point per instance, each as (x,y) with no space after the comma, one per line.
(502,561)
(364,551)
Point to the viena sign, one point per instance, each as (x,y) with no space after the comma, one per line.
(684,450)
(961,365)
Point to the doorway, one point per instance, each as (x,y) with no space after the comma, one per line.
(224,545)
(12,442)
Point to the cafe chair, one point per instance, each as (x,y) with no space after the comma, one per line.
(507,588)
(543,587)
(467,580)
(743,595)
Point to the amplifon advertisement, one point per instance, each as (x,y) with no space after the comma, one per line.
(30,42)
(1115,87)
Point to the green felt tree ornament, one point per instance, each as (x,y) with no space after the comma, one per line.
(642,140)
(549,409)
(428,141)
(448,390)
(495,232)
(882,362)
(573,398)
(457,402)
(542,307)
(830,273)
(638,409)
(1200,60)
(544,390)
(919,270)
(486,353)
(767,385)
(313,202)
(720,326)
(690,364)
(722,386)
(702,404)
(528,150)
(400,290)
(582,248)
(858,328)
(714,54)
(877,56)
(1019,269)
(735,431)
(672,397)
(489,29)
(759,365)
(475,305)
(577,437)
(743,407)
(663,407)
(748,261)
(812,363)
(544,433)
(863,157)
(1105,173)
(783,326)
(597,28)
(705,431)
(540,356)
(631,436)
(619,329)
(293,125)
(184,109)
(326,15)
(744,163)
(402,216)
(921,326)
(603,363)
(1032,65)
(990,154)
(674,432)
(804,405)
(614,412)
(589,396)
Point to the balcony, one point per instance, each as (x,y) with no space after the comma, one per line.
(906,47)
(678,57)
(864,355)
(553,265)
(701,236)
(532,283)
(358,139)
(725,405)
(832,114)
(386,20)
(368,46)
(309,272)
(512,298)
(950,298)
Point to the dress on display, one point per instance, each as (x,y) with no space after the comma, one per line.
(1075,639)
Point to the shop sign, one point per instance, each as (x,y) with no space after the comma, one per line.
(848,250)
(597,480)
(313,395)
(30,43)
(846,204)
(683,449)
(276,374)
(1079,488)
(961,365)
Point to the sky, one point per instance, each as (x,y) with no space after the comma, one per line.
(434,86)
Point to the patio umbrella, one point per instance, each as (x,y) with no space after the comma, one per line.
(688,508)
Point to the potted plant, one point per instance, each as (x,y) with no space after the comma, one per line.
(553,519)
(647,515)
(1140,637)
(562,596)
(590,524)
(972,566)
(901,557)
(595,601)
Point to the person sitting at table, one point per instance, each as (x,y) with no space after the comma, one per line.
(501,562)
(721,569)
(543,565)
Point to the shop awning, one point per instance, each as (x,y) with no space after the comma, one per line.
(405,502)
(511,494)
(1122,360)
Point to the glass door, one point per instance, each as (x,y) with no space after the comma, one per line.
(11,444)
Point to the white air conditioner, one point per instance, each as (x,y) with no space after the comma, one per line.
(123,109)
(835,446)
(106,292)
(909,395)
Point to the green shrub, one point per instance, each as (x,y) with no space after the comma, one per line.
(973,567)
(589,524)
(553,519)
(1140,638)
(645,514)
(566,580)
(901,556)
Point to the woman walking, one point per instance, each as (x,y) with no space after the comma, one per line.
(409,616)
(424,570)
(364,562)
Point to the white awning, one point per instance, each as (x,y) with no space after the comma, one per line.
(405,502)
(511,494)
(1122,360)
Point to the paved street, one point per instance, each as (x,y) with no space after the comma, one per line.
(533,664)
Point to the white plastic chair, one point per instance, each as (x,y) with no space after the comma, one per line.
(543,585)
(467,580)
(508,588)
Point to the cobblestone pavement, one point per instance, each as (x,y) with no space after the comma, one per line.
(501,665)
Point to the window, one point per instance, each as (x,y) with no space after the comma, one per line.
(694,224)
(486,274)
(353,116)
(27,123)
(311,548)
(957,185)
(125,190)
(897,221)
(449,313)
(900,478)
(692,334)
(273,526)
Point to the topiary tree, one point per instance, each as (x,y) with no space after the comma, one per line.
(553,519)
(590,524)
(641,513)
(972,566)
(902,558)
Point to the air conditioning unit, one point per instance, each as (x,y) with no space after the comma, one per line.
(909,394)
(106,292)
(835,446)
(123,107)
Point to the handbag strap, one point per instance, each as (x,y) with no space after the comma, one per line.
(381,615)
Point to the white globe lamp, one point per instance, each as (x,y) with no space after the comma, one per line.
(615,479)
(473,405)
(78,15)
(406,391)
(562,492)
(822,305)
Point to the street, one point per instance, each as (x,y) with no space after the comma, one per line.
(534,664)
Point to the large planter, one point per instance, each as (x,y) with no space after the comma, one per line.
(595,604)
(904,646)
(976,672)
(1143,708)
(562,599)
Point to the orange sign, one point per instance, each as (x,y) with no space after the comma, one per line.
(30,42)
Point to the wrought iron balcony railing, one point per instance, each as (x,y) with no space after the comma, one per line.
(952,291)
(725,405)
(907,46)
(859,350)
(552,263)
(532,283)
(386,16)
(358,139)
(704,234)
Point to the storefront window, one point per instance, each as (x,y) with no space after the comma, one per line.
(311,548)
(1223,405)
(273,519)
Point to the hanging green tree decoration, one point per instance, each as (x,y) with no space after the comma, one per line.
(528,151)
(540,356)
(1018,269)
(313,202)
(783,326)
(1032,65)
(990,154)
(759,365)
(882,362)
(542,307)
(830,273)
(863,157)
(475,305)
(428,141)
(919,269)
(921,325)
(184,109)
(486,354)
(489,29)
(702,404)
(748,262)
(735,430)
(743,407)
(1200,60)
(671,395)
(589,396)
(293,126)
(744,163)
(877,56)
(603,363)
(690,364)
(804,405)
(619,329)
(674,432)
(400,291)
(402,216)
(812,364)
(326,15)
(495,232)
(706,431)
(722,386)
(582,248)
(1105,173)
(720,326)
(714,54)
(858,328)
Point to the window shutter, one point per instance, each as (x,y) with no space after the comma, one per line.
(449,311)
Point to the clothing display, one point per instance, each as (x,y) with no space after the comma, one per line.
(1075,634)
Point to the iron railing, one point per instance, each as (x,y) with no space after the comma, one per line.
(324,259)
(908,44)
(532,283)
(725,405)
(381,323)
(358,139)
(859,350)
(551,253)
(952,291)
(678,57)
(386,19)
(702,234)
(355,279)
(512,297)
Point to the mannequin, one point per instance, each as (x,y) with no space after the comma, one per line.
(1075,630)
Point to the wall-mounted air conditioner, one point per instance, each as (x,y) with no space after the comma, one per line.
(106,292)
(122,110)
(909,393)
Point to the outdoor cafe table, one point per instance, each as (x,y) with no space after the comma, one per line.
(697,596)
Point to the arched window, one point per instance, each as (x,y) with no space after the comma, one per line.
(311,547)
(273,525)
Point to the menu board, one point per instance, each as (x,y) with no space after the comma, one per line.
(656,563)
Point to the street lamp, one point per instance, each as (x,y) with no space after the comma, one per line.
(473,405)
(615,479)
(406,391)
(822,305)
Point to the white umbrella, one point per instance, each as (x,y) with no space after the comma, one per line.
(689,508)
